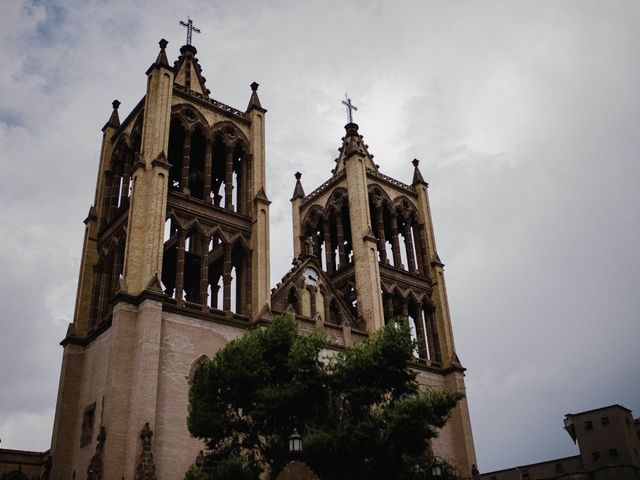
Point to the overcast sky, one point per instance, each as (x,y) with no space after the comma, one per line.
(525,116)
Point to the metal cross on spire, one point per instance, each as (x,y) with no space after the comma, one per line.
(190,28)
(350,107)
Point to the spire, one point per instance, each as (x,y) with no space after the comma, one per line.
(352,141)
(254,101)
(417,176)
(114,119)
(188,71)
(353,144)
(298,192)
(162,55)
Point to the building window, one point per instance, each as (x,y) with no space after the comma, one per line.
(604,420)
(588,425)
(86,432)
(595,456)
(559,468)
(525,473)
(613,453)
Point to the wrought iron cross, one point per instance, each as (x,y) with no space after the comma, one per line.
(350,107)
(190,29)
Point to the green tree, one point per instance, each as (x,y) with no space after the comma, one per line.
(360,412)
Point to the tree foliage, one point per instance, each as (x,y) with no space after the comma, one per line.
(360,412)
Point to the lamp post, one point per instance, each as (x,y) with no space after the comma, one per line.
(436,470)
(295,443)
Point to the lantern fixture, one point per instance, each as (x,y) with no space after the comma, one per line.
(295,442)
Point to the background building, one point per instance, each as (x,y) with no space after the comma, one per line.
(609,443)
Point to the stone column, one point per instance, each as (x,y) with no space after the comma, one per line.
(126,178)
(420,333)
(204,272)
(208,161)
(395,244)
(186,158)
(226,298)
(389,305)
(180,267)
(408,242)
(328,248)
(312,299)
(381,239)
(228,179)
(116,270)
(340,237)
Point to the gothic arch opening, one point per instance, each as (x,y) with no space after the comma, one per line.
(197,162)
(293,299)
(176,154)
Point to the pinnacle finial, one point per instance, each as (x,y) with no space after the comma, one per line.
(162,55)
(417,175)
(298,191)
(254,101)
(114,119)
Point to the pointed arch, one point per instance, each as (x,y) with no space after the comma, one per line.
(195,366)
(189,116)
(293,299)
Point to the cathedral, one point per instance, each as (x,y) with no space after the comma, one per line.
(175,264)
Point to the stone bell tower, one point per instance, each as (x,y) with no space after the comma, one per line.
(372,237)
(175,264)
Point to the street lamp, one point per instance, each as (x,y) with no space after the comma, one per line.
(295,443)
(436,470)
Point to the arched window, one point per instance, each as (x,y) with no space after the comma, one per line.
(195,366)
(176,154)
(294,300)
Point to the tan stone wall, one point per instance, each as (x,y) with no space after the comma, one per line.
(30,464)
(455,441)
(184,341)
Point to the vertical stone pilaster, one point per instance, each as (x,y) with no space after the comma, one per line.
(367,268)
(259,269)
(148,202)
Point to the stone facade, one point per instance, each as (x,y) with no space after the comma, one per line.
(175,265)
(609,443)
(23,465)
